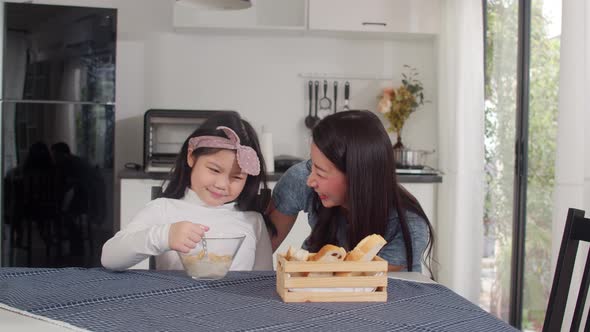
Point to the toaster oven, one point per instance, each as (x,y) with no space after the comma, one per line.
(164,133)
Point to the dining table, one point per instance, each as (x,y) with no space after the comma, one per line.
(96,299)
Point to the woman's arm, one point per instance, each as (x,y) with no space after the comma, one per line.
(395,250)
(395,268)
(289,197)
(283,224)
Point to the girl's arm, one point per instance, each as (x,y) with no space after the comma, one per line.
(145,236)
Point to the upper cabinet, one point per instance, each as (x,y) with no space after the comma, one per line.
(395,16)
(263,15)
(311,16)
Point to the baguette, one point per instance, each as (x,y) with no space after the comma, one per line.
(364,251)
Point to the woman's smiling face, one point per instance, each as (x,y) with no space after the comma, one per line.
(328,181)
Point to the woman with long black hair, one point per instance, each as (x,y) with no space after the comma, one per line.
(349,189)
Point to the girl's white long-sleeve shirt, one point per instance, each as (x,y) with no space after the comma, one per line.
(147,234)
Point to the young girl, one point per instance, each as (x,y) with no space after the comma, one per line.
(350,190)
(213,187)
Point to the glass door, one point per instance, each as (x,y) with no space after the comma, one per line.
(501,46)
(542,132)
(522,68)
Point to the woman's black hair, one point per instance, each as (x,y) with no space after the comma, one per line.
(249,199)
(358,145)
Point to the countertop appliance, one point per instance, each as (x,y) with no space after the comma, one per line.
(164,133)
(283,162)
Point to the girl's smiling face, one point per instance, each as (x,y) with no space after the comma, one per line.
(327,180)
(216,178)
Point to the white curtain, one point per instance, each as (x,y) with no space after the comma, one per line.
(461,134)
(572,166)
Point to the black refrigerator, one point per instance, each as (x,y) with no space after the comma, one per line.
(57,134)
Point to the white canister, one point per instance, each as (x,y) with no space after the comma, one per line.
(267,150)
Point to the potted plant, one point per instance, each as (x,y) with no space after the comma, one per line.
(396,105)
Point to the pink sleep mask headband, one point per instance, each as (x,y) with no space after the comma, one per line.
(247,157)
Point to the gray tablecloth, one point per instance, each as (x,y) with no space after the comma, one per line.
(100,300)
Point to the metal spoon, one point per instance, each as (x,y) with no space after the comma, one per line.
(204,243)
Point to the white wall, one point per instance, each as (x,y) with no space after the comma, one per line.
(257,75)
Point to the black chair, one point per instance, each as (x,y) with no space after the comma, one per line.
(577,228)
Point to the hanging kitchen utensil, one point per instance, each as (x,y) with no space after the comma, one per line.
(310,119)
(325,102)
(314,119)
(346,95)
(335,95)
(316,86)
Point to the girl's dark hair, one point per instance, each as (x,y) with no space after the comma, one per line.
(358,145)
(249,199)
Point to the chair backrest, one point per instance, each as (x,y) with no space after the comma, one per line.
(577,228)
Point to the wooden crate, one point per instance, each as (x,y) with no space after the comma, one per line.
(287,285)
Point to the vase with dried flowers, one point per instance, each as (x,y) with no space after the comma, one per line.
(396,105)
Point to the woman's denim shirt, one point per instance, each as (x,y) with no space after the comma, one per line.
(292,195)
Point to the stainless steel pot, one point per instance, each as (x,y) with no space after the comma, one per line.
(406,158)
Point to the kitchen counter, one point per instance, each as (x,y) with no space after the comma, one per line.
(273,177)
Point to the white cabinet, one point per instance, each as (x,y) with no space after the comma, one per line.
(398,16)
(388,16)
(135,194)
(425,193)
(264,14)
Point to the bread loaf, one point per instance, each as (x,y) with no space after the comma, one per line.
(364,251)
(369,246)
(328,253)
(299,255)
